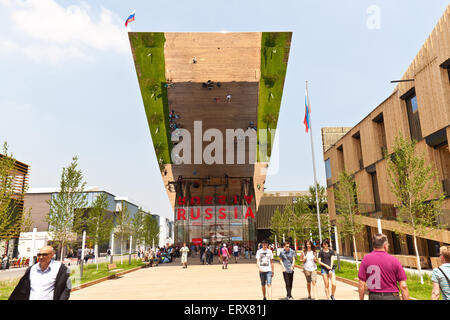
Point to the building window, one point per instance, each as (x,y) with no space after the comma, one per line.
(380,133)
(328,171)
(340,158)
(376,193)
(446,65)
(396,243)
(369,237)
(357,137)
(412,109)
(410,244)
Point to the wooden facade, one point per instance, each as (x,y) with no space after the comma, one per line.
(418,108)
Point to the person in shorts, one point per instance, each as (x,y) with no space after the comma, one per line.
(309,260)
(326,259)
(441,276)
(235,252)
(225,254)
(184,255)
(264,261)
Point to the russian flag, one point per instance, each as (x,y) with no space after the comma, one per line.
(307,111)
(130,18)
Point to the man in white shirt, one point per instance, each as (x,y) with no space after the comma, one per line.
(236,252)
(184,255)
(264,261)
(46,280)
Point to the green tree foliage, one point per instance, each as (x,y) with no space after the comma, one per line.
(346,195)
(67,207)
(99,226)
(417,189)
(137,224)
(123,224)
(13,219)
(151,230)
(299,220)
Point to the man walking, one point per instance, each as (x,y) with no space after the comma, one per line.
(287,261)
(236,252)
(184,255)
(441,276)
(382,272)
(264,261)
(46,280)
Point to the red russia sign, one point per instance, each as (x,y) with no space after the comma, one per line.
(208,213)
(209,200)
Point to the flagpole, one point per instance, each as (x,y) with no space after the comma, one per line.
(314,165)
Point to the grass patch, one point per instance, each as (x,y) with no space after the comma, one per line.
(274,55)
(90,272)
(148,55)
(7,287)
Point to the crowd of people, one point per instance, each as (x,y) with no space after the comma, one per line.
(380,273)
(173,117)
(206,253)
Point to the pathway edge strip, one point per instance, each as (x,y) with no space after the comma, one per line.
(112,276)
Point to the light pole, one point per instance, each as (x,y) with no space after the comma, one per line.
(82,253)
(112,247)
(33,246)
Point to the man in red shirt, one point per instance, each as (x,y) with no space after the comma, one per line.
(381,272)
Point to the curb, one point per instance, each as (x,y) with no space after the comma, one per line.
(347,281)
(110,277)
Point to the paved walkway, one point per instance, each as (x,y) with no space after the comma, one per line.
(203,282)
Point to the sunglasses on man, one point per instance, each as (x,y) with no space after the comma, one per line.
(42,254)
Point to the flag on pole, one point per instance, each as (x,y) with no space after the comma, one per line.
(307,111)
(130,18)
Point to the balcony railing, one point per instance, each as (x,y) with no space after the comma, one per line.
(389,212)
(378,210)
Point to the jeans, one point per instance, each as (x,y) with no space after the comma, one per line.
(288,279)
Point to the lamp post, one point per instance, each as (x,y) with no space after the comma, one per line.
(82,253)
(129,256)
(33,246)
(112,248)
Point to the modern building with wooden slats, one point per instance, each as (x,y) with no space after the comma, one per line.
(20,182)
(419,108)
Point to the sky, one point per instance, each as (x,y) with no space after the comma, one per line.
(68,85)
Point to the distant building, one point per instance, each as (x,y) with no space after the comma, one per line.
(36,198)
(270,202)
(165,231)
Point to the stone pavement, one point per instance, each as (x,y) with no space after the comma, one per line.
(203,282)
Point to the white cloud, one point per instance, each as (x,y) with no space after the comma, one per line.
(50,31)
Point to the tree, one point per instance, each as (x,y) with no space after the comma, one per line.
(98,224)
(414,183)
(346,195)
(13,219)
(138,226)
(67,206)
(151,229)
(123,225)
